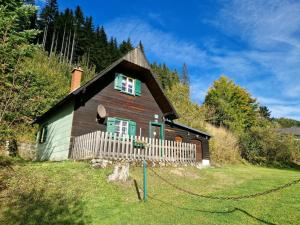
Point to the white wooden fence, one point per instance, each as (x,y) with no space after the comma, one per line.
(110,146)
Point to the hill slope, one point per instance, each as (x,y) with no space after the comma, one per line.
(73,193)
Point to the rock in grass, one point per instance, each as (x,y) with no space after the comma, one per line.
(100,163)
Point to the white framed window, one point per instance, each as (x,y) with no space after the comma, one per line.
(128,85)
(121,127)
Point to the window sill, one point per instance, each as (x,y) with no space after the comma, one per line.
(127,93)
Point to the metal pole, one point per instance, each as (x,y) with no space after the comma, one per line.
(145,181)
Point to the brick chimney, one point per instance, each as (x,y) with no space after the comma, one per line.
(76,78)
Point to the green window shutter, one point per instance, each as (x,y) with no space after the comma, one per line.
(132,128)
(110,126)
(118,81)
(138,88)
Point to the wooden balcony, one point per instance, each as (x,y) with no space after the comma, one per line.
(110,146)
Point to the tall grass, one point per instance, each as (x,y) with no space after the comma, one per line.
(223,146)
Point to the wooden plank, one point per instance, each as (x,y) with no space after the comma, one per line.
(143,150)
(101,144)
(146,149)
(123,147)
(114,155)
(105,144)
(109,148)
(118,147)
(97,144)
(126,143)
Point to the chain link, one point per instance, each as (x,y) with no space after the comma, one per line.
(228,197)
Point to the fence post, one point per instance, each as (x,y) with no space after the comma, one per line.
(145,181)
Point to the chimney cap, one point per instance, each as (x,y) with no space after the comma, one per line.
(78,68)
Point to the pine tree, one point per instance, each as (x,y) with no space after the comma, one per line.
(185,76)
(48,16)
(141,46)
(125,46)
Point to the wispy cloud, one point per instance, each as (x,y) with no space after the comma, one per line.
(272,29)
(268,65)
(161,45)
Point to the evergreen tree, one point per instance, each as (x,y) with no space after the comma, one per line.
(265,112)
(15,46)
(125,46)
(141,46)
(165,76)
(48,16)
(185,76)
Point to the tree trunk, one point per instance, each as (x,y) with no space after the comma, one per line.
(65,48)
(52,42)
(62,45)
(69,42)
(73,44)
(55,46)
(45,36)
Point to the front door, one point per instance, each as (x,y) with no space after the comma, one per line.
(198,144)
(156,130)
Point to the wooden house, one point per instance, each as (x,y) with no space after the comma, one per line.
(124,100)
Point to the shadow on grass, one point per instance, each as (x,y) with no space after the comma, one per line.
(35,207)
(235,209)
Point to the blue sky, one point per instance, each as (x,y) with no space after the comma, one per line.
(255,43)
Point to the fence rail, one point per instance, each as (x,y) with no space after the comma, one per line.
(110,146)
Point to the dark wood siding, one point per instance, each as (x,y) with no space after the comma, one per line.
(172,131)
(140,109)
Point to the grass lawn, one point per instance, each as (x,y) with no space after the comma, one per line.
(73,193)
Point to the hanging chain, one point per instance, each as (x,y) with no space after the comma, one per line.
(228,197)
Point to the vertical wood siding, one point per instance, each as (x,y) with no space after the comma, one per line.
(57,144)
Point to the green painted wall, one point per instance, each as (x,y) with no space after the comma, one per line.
(57,144)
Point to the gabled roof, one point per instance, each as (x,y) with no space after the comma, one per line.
(182,126)
(291,130)
(134,59)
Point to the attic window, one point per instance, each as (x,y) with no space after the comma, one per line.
(127,84)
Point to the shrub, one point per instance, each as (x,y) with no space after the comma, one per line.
(264,145)
(223,146)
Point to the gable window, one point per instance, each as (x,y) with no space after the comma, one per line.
(121,127)
(127,84)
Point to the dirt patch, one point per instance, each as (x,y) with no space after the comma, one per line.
(183,173)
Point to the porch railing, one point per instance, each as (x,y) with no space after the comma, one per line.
(110,146)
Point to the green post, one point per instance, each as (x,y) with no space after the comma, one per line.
(145,181)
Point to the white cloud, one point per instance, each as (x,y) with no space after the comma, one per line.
(272,29)
(269,66)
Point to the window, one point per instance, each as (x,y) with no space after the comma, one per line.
(127,85)
(43,134)
(121,126)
